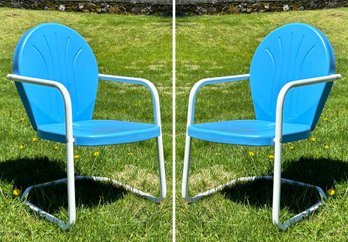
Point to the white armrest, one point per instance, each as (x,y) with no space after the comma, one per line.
(284,91)
(63,91)
(204,82)
(140,81)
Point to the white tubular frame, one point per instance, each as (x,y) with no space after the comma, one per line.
(157,118)
(277,180)
(70,180)
(69,146)
(139,81)
(190,119)
(278,149)
(204,82)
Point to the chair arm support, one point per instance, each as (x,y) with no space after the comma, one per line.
(204,82)
(62,89)
(139,81)
(284,91)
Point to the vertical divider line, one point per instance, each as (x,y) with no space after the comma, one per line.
(174,116)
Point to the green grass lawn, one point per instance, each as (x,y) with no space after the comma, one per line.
(209,46)
(137,46)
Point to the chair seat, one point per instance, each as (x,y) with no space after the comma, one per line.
(247,132)
(100,132)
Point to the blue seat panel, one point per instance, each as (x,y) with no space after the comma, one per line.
(247,132)
(100,132)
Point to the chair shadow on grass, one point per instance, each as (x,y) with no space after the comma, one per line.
(319,172)
(26,172)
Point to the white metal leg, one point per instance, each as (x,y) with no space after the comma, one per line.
(277,180)
(61,223)
(186,172)
(70,181)
(288,222)
(277,192)
(161,169)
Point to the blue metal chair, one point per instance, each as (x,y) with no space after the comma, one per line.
(291,75)
(57,77)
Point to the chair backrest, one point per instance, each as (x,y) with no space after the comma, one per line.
(55,52)
(291,52)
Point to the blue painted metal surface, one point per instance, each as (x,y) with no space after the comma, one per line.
(55,52)
(101,132)
(247,132)
(292,52)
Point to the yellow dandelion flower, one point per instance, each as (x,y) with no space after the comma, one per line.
(16,192)
(97,153)
(326,146)
(271,156)
(331,192)
(34,139)
(76,156)
(292,147)
(313,139)
(55,147)
(21,147)
(251,153)
(130,153)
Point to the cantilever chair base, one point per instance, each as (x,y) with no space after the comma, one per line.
(283,225)
(63,225)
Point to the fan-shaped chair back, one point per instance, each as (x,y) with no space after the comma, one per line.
(292,52)
(58,53)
